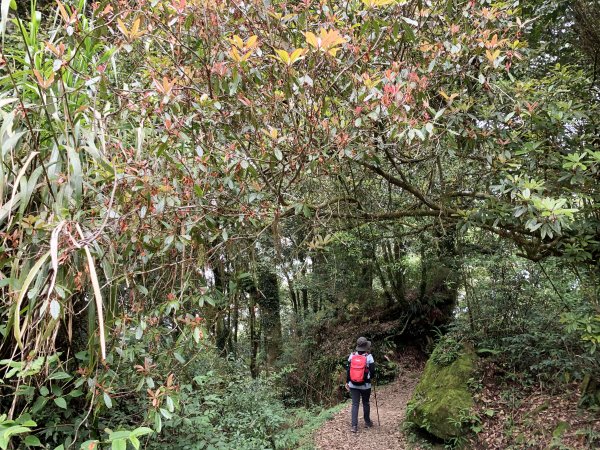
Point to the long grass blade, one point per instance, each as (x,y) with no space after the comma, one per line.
(28,188)
(97,293)
(4,211)
(28,280)
(7,101)
(16,185)
(4,17)
(54,259)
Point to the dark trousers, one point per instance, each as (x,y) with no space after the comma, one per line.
(357,394)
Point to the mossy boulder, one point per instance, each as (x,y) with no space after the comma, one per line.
(442,401)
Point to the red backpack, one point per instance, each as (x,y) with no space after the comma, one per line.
(358,368)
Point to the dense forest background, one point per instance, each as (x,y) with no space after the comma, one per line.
(203,203)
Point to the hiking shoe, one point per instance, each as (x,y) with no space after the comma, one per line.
(354,429)
(368,424)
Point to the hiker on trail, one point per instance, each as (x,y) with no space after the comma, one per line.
(359,375)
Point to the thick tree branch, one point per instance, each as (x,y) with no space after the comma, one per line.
(401,184)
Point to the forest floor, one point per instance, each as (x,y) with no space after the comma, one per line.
(514,417)
(392,400)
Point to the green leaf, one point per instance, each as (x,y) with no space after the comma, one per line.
(25,421)
(119,444)
(60,376)
(123,434)
(141,431)
(170,404)
(157,423)
(89,445)
(54,309)
(11,431)
(278,154)
(17,308)
(76,393)
(107,400)
(32,441)
(60,402)
(135,442)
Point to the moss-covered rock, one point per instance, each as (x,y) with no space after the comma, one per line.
(442,401)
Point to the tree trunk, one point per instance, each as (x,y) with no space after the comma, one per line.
(253,335)
(236,316)
(305,300)
(423,285)
(268,300)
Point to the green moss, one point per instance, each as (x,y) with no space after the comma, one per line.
(442,401)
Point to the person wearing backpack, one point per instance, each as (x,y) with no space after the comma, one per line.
(359,375)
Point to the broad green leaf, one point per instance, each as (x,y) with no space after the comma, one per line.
(123,434)
(157,423)
(7,433)
(119,444)
(76,393)
(54,309)
(60,402)
(170,404)
(135,442)
(32,441)
(60,376)
(107,400)
(142,431)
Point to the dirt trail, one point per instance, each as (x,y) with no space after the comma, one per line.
(392,399)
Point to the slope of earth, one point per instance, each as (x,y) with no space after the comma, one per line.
(392,400)
(515,418)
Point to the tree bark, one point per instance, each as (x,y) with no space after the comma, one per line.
(253,334)
(268,300)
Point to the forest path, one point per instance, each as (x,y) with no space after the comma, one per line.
(392,400)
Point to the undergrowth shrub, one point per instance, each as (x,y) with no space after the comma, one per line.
(537,328)
(447,349)
(170,391)
(225,411)
(316,376)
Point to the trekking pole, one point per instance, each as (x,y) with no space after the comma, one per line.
(376,407)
